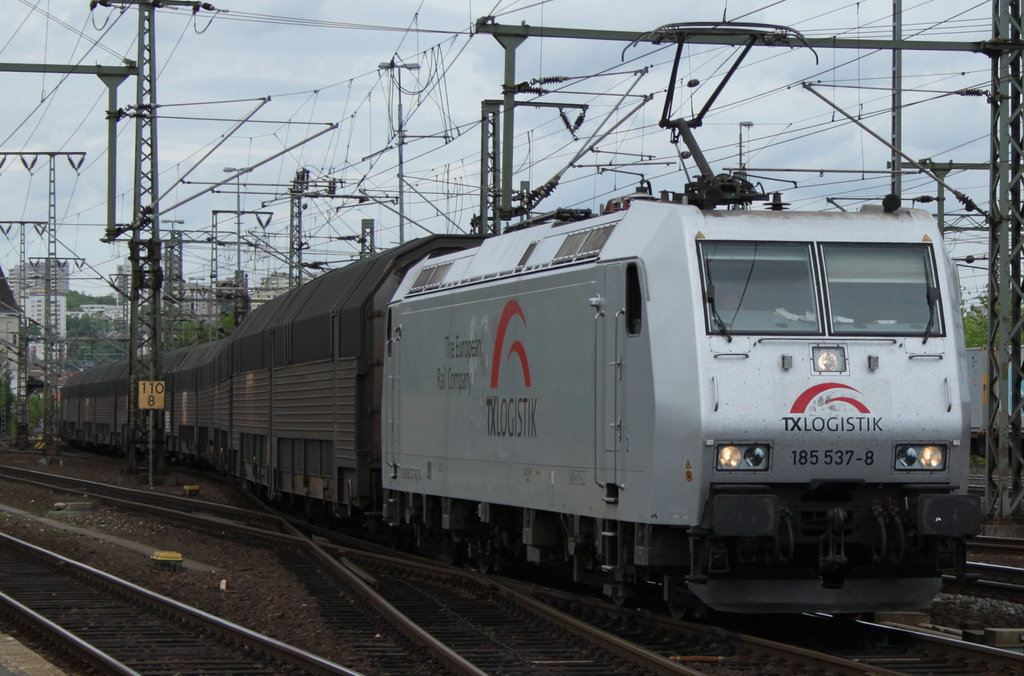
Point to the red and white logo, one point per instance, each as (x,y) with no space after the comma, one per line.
(811,394)
(512,310)
(510,416)
(831,407)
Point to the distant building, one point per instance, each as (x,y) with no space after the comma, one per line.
(106,311)
(122,283)
(28,283)
(199,303)
(9,312)
(269,287)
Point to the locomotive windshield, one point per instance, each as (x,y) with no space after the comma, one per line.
(759,288)
(870,289)
(882,289)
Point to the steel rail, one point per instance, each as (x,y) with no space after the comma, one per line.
(599,637)
(292,536)
(252,640)
(514,592)
(988,581)
(995,545)
(773,649)
(202,520)
(85,651)
(357,581)
(630,651)
(73,485)
(995,658)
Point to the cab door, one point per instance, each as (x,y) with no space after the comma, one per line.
(392,394)
(610,371)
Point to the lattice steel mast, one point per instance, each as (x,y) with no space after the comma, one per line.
(295,242)
(52,336)
(145,426)
(1003,493)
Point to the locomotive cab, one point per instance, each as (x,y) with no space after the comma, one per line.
(834,417)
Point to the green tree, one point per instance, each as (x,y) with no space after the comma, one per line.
(7,402)
(975,318)
(189,332)
(76,300)
(35,412)
(94,340)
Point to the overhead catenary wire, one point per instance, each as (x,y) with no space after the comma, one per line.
(377,171)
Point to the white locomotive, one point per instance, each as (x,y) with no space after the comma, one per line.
(765,411)
(751,411)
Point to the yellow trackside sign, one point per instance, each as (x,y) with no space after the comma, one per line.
(151,394)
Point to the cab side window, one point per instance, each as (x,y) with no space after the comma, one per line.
(634,301)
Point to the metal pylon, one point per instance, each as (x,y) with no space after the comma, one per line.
(1003,492)
(175,288)
(52,338)
(490,168)
(295,244)
(145,426)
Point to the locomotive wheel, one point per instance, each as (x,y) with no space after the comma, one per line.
(587,556)
(454,551)
(621,597)
(485,564)
(680,611)
(400,539)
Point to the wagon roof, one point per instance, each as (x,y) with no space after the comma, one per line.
(346,290)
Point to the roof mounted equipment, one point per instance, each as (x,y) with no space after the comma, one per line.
(709,189)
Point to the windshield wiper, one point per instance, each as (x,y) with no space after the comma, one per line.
(932,294)
(714,310)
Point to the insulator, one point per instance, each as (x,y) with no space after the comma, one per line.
(777,204)
(554,79)
(579,120)
(565,120)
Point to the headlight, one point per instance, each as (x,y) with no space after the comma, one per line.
(728,457)
(755,456)
(743,456)
(920,456)
(933,457)
(829,359)
(906,456)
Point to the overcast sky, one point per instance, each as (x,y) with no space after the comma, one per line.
(319,64)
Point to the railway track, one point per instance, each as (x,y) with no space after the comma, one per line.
(381,647)
(667,646)
(503,631)
(804,644)
(407,616)
(985,580)
(120,628)
(903,650)
(140,500)
(348,596)
(986,544)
